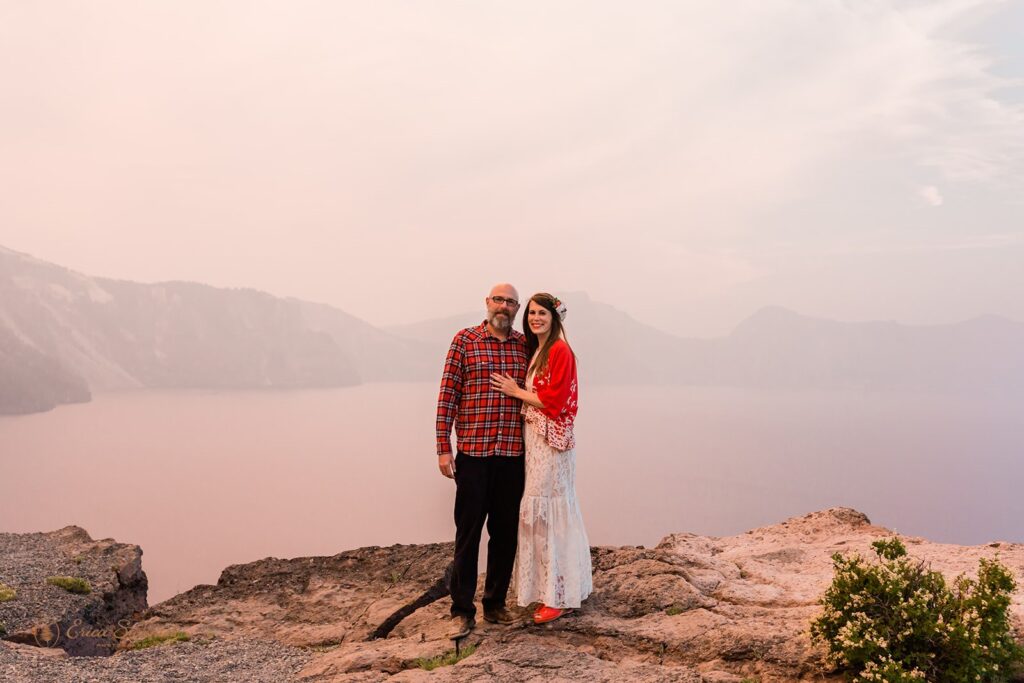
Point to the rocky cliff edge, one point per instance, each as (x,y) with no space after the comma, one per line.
(693,608)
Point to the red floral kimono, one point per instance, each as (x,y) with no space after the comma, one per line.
(557,390)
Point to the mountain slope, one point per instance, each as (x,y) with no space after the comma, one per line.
(33,381)
(778,348)
(62,333)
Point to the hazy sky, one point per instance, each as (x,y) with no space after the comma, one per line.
(687,162)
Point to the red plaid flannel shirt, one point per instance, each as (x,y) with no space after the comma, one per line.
(487,422)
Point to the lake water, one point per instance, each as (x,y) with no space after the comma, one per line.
(202,480)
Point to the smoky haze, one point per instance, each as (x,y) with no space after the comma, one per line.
(236,239)
(688,163)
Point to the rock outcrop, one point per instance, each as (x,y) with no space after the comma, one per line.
(693,608)
(45,614)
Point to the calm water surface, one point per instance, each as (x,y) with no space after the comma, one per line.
(202,480)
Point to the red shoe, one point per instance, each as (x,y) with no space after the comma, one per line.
(544,614)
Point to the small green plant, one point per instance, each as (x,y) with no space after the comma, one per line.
(160,639)
(894,620)
(395,577)
(447,659)
(324,647)
(70,584)
(674,610)
(6,592)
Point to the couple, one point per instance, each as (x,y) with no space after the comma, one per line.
(512,399)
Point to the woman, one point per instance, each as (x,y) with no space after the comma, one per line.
(553,558)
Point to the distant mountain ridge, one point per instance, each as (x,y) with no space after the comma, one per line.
(612,347)
(64,334)
(781,349)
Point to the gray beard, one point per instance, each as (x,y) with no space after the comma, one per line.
(499,322)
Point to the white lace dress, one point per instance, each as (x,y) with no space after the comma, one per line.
(553,557)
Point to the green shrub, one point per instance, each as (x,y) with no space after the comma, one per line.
(446,659)
(894,620)
(70,584)
(160,639)
(6,592)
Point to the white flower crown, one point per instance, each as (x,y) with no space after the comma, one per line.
(559,308)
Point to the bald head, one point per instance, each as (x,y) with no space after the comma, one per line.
(504,289)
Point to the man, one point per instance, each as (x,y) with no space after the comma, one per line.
(488,467)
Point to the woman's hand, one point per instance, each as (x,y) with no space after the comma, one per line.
(506,385)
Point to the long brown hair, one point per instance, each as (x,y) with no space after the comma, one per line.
(547,301)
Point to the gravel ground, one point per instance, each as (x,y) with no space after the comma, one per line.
(197,661)
(25,562)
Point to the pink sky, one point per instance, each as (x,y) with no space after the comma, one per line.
(686,162)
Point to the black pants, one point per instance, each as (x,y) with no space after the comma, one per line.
(486,488)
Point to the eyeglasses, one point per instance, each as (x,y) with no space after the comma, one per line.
(500,300)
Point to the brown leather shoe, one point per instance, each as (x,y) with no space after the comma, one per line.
(502,616)
(461,626)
